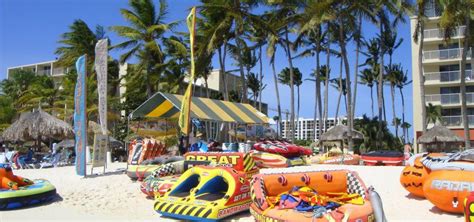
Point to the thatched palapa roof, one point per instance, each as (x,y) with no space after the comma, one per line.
(439,134)
(339,133)
(37,125)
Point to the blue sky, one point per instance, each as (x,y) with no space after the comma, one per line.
(30,29)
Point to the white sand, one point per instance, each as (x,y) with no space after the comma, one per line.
(114,197)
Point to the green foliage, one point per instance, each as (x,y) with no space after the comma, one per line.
(284,76)
(305,143)
(433,114)
(369,127)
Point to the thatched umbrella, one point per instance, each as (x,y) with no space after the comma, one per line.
(37,125)
(339,133)
(439,134)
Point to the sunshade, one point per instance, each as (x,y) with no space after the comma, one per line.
(164,105)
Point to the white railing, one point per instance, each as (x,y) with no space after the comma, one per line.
(58,71)
(452,120)
(448,76)
(439,33)
(444,54)
(456,120)
(448,99)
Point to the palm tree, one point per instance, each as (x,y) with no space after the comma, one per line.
(147,28)
(315,39)
(277,120)
(367,77)
(78,41)
(255,86)
(405,126)
(456,13)
(433,113)
(285,12)
(238,13)
(393,75)
(271,52)
(285,78)
(341,86)
(216,31)
(401,82)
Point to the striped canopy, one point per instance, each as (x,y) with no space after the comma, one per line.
(164,105)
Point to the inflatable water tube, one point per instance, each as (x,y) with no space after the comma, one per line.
(383,158)
(16,192)
(205,193)
(283,148)
(328,158)
(337,195)
(415,173)
(139,172)
(270,160)
(153,187)
(451,180)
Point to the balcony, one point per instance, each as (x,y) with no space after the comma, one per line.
(453,99)
(444,54)
(456,121)
(447,77)
(438,34)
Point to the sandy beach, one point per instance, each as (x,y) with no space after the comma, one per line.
(114,197)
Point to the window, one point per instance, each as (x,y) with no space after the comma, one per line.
(449,90)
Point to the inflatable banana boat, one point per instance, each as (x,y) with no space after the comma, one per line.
(16,191)
(451,180)
(383,158)
(204,193)
(303,194)
(139,172)
(270,160)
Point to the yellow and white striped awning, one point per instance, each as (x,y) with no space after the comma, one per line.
(164,105)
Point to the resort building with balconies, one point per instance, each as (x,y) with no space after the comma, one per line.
(441,70)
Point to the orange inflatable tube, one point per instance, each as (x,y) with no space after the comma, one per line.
(447,189)
(10,181)
(413,177)
(269,185)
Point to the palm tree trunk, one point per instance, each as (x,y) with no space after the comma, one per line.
(292,88)
(422,79)
(149,92)
(372,99)
(298,108)
(465,120)
(395,122)
(403,113)
(275,79)
(356,68)
(337,107)
(239,56)
(348,84)
(340,90)
(380,93)
(222,71)
(317,104)
(326,83)
(261,81)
